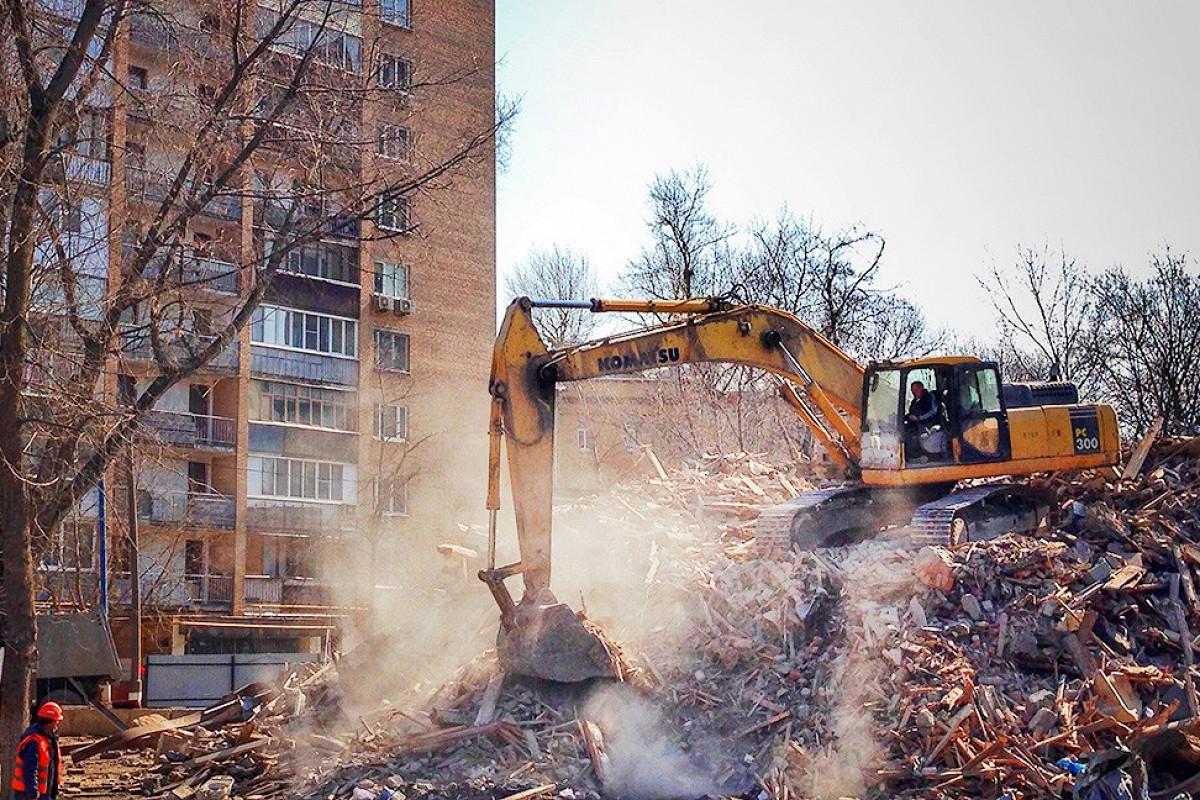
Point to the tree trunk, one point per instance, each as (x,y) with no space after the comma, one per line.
(19,628)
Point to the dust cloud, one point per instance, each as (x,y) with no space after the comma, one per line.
(640,760)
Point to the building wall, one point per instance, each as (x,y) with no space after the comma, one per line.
(450,255)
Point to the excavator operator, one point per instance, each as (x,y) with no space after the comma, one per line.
(923,412)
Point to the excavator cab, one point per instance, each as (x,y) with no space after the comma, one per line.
(968,425)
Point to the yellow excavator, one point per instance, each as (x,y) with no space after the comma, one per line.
(901,467)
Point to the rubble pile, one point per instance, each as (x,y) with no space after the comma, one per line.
(1017,667)
(1030,656)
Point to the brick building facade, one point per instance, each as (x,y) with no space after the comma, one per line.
(343,435)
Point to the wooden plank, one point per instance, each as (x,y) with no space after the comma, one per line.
(1138,457)
(536,791)
(228,752)
(491,696)
(134,737)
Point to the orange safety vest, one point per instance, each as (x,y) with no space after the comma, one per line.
(43,764)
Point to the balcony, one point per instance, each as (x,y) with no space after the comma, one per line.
(182,429)
(310,367)
(298,594)
(173,590)
(88,170)
(332,519)
(190,509)
(135,346)
(66,9)
(147,187)
(161,33)
(187,268)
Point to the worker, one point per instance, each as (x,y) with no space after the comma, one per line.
(39,763)
(922,414)
(924,408)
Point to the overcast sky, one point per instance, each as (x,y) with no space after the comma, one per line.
(956,130)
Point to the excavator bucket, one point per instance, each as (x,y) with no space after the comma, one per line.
(546,639)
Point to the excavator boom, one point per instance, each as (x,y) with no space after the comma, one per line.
(822,382)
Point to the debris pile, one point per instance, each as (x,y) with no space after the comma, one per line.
(1016,667)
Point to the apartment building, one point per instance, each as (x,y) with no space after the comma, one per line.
(342,436)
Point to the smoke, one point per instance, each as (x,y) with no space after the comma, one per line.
(638,759)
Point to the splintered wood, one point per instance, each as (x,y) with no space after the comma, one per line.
(994,669)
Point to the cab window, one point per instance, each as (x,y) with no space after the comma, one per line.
(883,394)
(979,393)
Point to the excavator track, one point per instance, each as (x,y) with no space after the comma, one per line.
(842,515)
(979,512)
(805,521)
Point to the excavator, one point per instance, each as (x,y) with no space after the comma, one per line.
(936,475)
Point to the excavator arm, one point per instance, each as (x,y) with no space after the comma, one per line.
(821,381)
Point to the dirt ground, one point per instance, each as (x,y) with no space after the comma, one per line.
(110,776)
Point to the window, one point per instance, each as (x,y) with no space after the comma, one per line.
(391,497)
(394,73)
(391,422)
(391,351)
(298,36)
(392,213)
(391,280)
(304,330)
(299,479)
(73,548)
(305,405)
(139,79)
(323,260)
(126,390)
(583,438)
(391,141)
(394,12)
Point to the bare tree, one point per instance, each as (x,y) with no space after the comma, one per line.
(1144,342)
(1043,304)
(686,252)
(558,274)
(251,109)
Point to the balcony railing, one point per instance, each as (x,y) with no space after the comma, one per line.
(263,589)
(173,590)
(209,589)
(193,509)
(89,170)
(135,345)
(299,594)
(311,367)
(332,519)
(187,268)
(147,187)
(193,430)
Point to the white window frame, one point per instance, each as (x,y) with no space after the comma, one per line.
(399,426)
(407,368)
(390,509)
(274,326)
(393,214)
(393,73)
(396,12)
(583,439)
(392,279)
(300,479)
(393,142)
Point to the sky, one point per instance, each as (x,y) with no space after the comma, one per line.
(958,131)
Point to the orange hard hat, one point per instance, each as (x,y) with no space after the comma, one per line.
(51,711)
